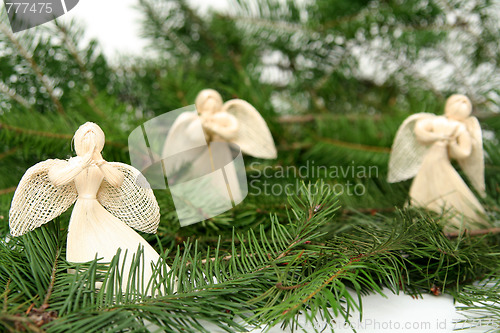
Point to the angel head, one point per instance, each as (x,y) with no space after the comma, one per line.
(216,122)
(208,101)
(89,138)
(458,107)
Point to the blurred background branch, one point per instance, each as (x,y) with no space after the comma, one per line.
(333,79)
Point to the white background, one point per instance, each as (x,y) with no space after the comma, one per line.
(115,23)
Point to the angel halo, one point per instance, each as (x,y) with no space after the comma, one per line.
(422,149)
(109,202)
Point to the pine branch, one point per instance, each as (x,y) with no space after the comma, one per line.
(36,69)
(355,146)
(264,261)
(477,232)
(8,152)
(270,24)
(52,282)
(479,304)
(13,95)
(36,133)
(72,48)
(68,137)
(7,190)
(271,272)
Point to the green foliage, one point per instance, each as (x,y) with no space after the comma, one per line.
(478,305)
(334,80)
(261,277)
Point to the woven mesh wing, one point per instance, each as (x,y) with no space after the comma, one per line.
(37,201)
(407,154)
(133,202)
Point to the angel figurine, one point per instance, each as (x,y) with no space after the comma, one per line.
(110,199)
(206,145)
(235,121)
(422,149)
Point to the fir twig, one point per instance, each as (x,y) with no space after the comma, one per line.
(34,132)
(83,68)
(36,69)
(13,95)
(355,146)
(9,152)
(50,134)
(476,232)
(8,190)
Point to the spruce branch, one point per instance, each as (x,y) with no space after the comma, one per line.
(160,26)
(64,136)
(52,282)
(262,261)
(9,152)
(479,304)
(21,324)
(270,24)
(72,48)
(477,232)
(355,146)
(7,190)
(271,272)
(13,95)
(5,296)
(36,69)
(31,132)
(458,69)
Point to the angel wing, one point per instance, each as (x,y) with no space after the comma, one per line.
(133,202)
(473,166)
(407,153)
(253,135)
(37,201)
(186,133)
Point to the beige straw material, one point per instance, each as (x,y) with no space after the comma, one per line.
(407,153)
(473,166)
(37,201)
(253,135)
(422,149)
(110,199)
(235,121)
(133,202)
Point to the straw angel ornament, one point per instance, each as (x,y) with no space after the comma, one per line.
(422,149)
(217,132)
(110,199)
(235,121)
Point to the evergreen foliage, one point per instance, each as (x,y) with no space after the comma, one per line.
(334,80)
